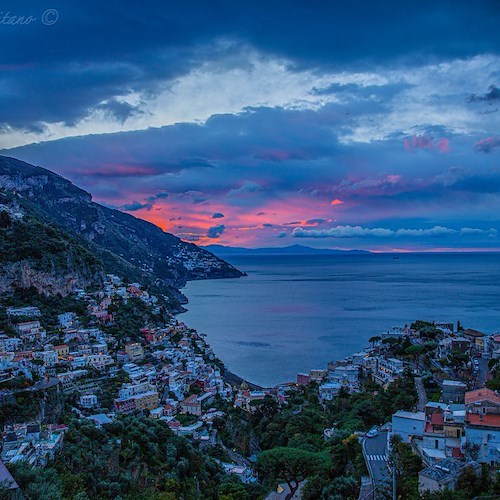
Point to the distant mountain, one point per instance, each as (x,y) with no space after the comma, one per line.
(125,244)
(290,250)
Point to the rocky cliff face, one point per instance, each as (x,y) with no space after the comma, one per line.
(125,244)
(60,282)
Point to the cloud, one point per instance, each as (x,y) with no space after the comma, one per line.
(246,187)
(417,142)
(378,232)
(336,201)
(134,206)
(283,234)
(487,145)
(492,95)
(217,215)
(120,110)
(216,231)
(315,221)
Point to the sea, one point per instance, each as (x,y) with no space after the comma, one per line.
(294,313)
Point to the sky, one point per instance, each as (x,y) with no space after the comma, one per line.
(332,124)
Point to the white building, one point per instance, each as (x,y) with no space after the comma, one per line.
(329,390)
(388,370)
(408,424)
(66,319)
(88,400)
(9,344)
(50,358)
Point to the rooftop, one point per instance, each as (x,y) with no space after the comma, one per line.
(410,415)
(473,333)
(455,383)
(483,420)
(483,394)
(446,469)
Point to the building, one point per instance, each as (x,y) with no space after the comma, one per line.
(317,375)
(303,379)
(28,312)
(100,419)
(387,370)
(9,483)
(88,400)
(133,397)
(454,391)
(484,401)
(408,424)
(460,344)
(191,405)
(477,339)
(62,350)
(494,345)
(329,390)
(443,475)
(9,344)
(48,357)
(66,319)
(30,330)
(143,401)
(484,431)
(135,352)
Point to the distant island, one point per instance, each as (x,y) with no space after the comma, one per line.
(289,250)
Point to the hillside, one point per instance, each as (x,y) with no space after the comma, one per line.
(126,245)
(40,256)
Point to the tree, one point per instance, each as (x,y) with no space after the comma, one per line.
(415,351)
(471,450)
(5,220)
(374,340)
(407,465)
(291,465)
(232,491)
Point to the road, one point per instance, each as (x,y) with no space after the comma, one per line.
(482,372)
(41,385)
(375,453)
(422,395)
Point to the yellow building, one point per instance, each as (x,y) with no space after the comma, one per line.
(62,350)
(135,352)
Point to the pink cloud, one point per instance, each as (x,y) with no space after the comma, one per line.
(417,142)
(443,145)
(487,145)
(336,201)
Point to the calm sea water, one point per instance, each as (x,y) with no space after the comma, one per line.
(294,313)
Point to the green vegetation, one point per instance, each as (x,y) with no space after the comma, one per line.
(427,330)
(50,306)
(337,463)
(128,319)
(132,458)
(44,246)
(407,465)
(292,465)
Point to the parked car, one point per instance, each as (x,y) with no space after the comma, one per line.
(372,433)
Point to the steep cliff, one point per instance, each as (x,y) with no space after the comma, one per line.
(124,244)
(35,254)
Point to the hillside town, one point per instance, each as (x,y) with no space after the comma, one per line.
(166,371)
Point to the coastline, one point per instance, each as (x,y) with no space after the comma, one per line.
(230,377)
(235,380)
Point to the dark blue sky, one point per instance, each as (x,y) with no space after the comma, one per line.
(344,124)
